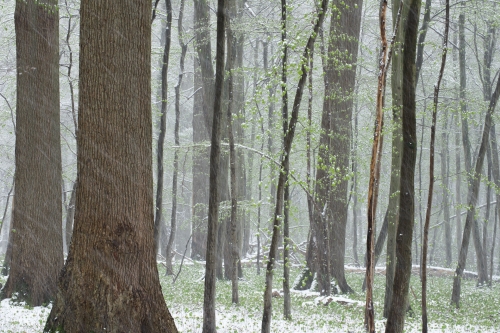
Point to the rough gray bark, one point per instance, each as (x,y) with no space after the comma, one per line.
(37,209)
(110,280)
(202,120)
(339,88)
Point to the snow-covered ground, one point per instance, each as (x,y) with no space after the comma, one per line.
(311,313)
(18,318)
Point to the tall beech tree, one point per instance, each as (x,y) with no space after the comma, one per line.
(37,212)
(202,125)
(110,280)
(339,79)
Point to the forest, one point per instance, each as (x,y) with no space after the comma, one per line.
(249,165)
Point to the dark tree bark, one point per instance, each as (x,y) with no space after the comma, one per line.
(396,316)
(393,205)
(110,280)
(209,323)
(285,157)
(163,128)
(173,217)
(472,199)
(37,213)
(431,171)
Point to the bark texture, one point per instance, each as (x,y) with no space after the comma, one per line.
(209,323)
(202,114)
(37,213)
(396,316)
(110,280)
(345,27)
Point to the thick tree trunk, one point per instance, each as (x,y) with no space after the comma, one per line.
(202,126)
(110,280)
(396,316)
(339,89)
(37,213)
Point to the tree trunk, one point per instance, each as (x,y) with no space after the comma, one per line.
(110,280)
(233,240)
(70,215)
(431,172)
(472,200)
(496,178)
(209,323)
(202,126)
(482,274)
(339,89)
(396,316)
(287,312)
(37,213)
(287,146)
(173,219)
(393,205)
(445,166)
(163,128)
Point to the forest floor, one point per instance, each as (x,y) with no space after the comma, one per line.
(344,313)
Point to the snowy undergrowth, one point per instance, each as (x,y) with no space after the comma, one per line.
(479,306)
